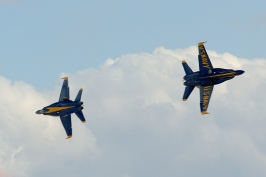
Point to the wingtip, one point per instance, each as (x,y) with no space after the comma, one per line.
(65,78)
(68,137)
(204,112)
(201,43)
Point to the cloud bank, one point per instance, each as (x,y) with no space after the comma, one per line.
(137,125)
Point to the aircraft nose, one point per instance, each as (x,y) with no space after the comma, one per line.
(239,72)
(39,112)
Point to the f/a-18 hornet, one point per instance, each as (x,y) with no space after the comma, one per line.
(65,107)
(205,78)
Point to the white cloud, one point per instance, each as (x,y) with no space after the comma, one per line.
(29,141)
(137,124)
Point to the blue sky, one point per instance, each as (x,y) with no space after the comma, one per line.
(41,39)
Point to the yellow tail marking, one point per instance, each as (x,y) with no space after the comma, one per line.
(201,43)
(65,78)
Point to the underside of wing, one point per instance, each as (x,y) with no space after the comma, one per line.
(66,121)
(205,96)
(64,94)
(204,60)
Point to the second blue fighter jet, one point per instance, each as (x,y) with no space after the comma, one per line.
(205,78)
(65,107)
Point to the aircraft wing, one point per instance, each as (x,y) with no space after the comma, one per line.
(205,96)
(66,121)
(204,60)
(64,94)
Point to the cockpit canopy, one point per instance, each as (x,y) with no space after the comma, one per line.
(190,76)
(219,70)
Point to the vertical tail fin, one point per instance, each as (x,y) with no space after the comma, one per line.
(187,92)
(187,69)
(78,98)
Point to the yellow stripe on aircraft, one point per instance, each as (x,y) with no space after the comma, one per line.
(226,74)
(56,109)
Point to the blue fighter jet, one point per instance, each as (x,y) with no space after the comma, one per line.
(205,78)
(65,107)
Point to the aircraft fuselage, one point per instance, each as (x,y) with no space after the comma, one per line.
(61,108)
(210,77)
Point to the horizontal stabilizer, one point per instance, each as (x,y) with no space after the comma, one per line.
(187,69)
(80,116)
(187,92)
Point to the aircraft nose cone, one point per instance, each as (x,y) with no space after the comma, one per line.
(38,112)
(239,72)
